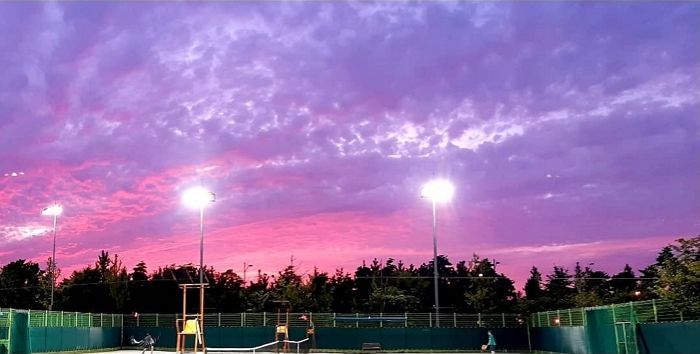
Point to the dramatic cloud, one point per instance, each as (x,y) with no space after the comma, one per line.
(565,127)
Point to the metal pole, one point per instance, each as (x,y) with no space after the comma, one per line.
(435,269)
(201,244)
(53,262)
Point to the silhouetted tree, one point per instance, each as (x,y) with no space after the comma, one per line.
(20,285)
(559,289)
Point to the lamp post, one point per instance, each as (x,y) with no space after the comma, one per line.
(54,211)
(245,268)
(198,198)
(437,191)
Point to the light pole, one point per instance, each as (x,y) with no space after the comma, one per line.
(198,198)
(245,268)
(53,210)
(437,191)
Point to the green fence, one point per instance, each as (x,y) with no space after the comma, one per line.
(29,331)
(349,338)
(628,328)
(344,330)
(339,320)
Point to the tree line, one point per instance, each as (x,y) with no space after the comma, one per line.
(387,286)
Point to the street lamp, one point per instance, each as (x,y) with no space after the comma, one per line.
(54,211)
(198,198)
(245,268)
(438,191)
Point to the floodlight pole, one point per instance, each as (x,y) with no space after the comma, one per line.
(201,244)
(435,267)
(53,261)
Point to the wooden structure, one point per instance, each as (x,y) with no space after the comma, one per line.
(282,327)
(192,324)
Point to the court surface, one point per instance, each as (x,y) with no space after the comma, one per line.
(335,352)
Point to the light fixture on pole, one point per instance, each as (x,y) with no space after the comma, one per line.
(438,191)
(54,211)
(245,268)
(198,198)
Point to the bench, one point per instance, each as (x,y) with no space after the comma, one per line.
(371,346)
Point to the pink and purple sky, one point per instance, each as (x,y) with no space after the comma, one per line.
(571,131)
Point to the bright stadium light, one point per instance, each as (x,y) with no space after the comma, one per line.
(198,198)
(438,191)
(54,211)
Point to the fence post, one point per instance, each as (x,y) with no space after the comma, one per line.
(503,315)
(219,323)
(430,319)
(381,322)
(101,320)
(558,318)
(681,313)
(454,315)
(242,319)
(157,319)
(46,320)
(583,316)
(405,319)
(264,319)
(333,319)
(656,316)
(357,323)
(89,319)
(478,319)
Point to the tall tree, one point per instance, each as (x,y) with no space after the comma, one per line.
(679,276)
(342,290)
(488,290)
(20,285)
(591,287)
(534,293)
(623,285)
(559,288)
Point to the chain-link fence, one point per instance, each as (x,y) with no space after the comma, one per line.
(650,311)
(73,319)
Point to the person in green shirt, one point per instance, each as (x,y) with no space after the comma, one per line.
(492,342)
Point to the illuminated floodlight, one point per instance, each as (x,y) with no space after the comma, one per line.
(52,210)
(197,197)
(438,190)
(14,174)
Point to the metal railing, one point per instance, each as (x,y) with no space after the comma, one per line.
(337,320)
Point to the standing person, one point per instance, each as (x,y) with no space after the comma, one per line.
(492,342)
